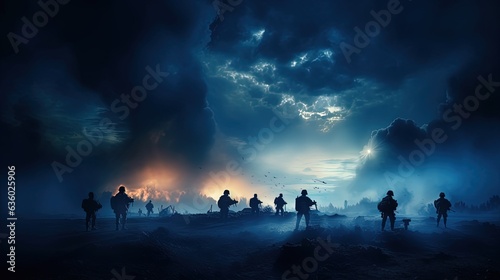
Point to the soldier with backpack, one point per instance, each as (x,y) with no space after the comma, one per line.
(442,205)
(90,206)
(120,203)
(302,204)
(224,202)
(387,207)
(279,202)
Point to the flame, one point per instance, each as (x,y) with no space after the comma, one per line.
(160,182)
(156,182)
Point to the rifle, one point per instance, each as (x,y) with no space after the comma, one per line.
(315,205)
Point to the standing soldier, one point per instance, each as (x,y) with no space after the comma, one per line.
(302,204)
(279,202)
(90,206)
(139,212)
(150,207)
(387,207)
(442,207)
(224,202)
(120,203)
(254,204)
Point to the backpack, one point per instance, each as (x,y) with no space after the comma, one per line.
(382,206)
(385,205)
(301,204)
(221,203)
(442,204)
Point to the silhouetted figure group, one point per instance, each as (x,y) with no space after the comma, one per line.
(90,206)
(302,206)
(388,205)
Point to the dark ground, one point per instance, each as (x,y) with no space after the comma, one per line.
(202,247)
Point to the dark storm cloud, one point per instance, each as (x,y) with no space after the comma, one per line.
(457,152)
(408,44)
(101,51)
(401,73)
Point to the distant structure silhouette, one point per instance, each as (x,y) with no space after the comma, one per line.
(387,207)
(442,205)
(150,208)
(90,206)
(120,204)
(302,204)
(224,202)
(279,202)
(254,204)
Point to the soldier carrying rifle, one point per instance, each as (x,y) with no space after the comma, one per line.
(224,202)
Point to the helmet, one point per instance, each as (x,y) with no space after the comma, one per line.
(255,195)
(121,189)
(391,193)
(91,195)
(226,192)
(303,192)
(441,194)
(281,194)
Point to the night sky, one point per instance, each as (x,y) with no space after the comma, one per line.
(176,101)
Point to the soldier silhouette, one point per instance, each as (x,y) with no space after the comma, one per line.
(279,202)
(224,202)
(442,205)
(90,206)
(150,208)
(302,204)
(120,204)
(254,204)
(387,207)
